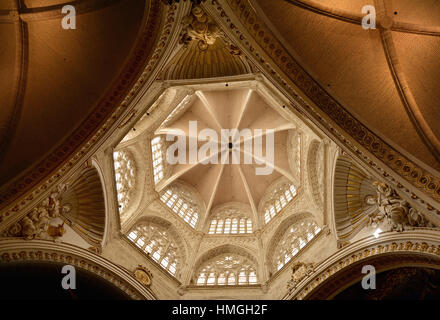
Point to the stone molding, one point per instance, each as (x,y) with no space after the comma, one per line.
(40,250)
(422,242)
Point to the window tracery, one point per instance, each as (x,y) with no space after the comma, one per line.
(226,270)
(293,240)
(230,226)
(125,178)
(181,204)
(278,199)
(157,155)
(159,244)
(232,218)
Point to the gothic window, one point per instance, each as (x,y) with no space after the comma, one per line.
(231,218)
(124,175)
(293,240)
(159,244)
(157,154)
(280,197)
(179,205)
(231,226)
(227,270)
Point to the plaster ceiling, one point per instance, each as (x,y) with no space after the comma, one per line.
(362,69)
(53,78)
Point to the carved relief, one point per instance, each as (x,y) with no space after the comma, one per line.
(299,271)
(206,51)
(394,210)
(201,28)
(37,223)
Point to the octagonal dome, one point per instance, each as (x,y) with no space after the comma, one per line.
(229,144)
(225,157)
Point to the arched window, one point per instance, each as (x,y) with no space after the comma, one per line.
(231,218)
(180,206)
(293,240)
(157,154)
(226,270)
(230,226)
(125,178)
(159,244)
(279,198)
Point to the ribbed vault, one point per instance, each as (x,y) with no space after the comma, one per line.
(231,172)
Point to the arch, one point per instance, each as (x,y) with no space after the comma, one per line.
(339,271)
(42,250)
(277,196)
(161,241)
(293,234)
(185,201)
(226,265)
(231,218)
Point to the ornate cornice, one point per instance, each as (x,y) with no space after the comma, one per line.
(260,44)
(38,250)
